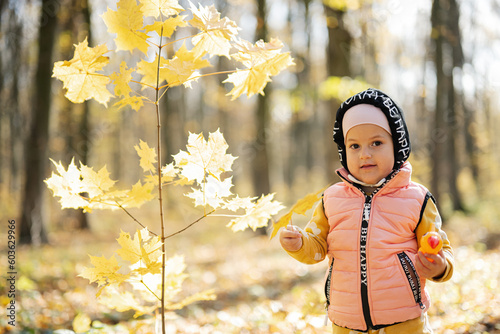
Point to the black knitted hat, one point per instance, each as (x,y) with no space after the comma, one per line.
(394,114)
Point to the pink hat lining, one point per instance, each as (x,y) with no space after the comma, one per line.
(364,114)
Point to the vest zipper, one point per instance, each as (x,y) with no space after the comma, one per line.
(363,261)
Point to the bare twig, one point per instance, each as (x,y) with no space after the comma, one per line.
(152,292)
(160,197)
(185,228)
(133,218)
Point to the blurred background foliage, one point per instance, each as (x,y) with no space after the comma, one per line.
(439,59)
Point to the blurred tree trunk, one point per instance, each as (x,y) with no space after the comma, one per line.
(369,70)
(437,136)
(13,49)
(175,109)
(74,20)
(338,64)
(454,39)
(3,128)
(303,116)
(447,55)
(32,228)
(260,168)
(84,132)
(261,162)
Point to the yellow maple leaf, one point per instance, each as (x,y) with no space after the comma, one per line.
(167,27)
(147,155)
(122,79)
(67,185)
(262,61)
(204,157)
(95,183)
(182,68)
(149,71)
(199,296)
(300,207)
(127,22)
(135,102)
(169,172)
(237,203)
(79,75)
(216,33)
(142,248)
(211,192)
(116,297)
(122,88)
(149,284)
(138,195)
(105,271)
(257,215)
(156,7)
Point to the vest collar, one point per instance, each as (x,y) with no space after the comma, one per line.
(396,179)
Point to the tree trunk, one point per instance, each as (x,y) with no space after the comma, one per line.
(301,157)
(74,118)
(446,40)
(438,136)
(14,44)
(84,132)
(32,228)
(338,64)
(261,180)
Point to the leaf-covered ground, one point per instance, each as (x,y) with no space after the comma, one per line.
(260,288)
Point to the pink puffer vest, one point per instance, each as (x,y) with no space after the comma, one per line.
(372,241)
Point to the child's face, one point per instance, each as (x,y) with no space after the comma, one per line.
(369,152)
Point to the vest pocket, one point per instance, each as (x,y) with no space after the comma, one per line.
(412,276)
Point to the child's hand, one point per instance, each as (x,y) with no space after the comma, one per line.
(428,269)
(291,239)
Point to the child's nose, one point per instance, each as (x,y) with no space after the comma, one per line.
(365,152)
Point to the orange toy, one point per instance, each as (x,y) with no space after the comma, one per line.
(431,243)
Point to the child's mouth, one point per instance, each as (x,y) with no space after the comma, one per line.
(367,166)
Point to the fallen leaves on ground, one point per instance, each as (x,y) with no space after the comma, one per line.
(260,289)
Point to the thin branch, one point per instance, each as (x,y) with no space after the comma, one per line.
(201,76)
(185,228)
(118,205)
(133,218)
(142,83)
(228,216)
(164,93)
(147,287)
(160,195)
(177,40)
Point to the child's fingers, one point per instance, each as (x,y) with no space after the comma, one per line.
(290,232)
(430,265)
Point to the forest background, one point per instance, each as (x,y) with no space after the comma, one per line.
(437,59)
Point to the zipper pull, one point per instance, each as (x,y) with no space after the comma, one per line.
(366,212)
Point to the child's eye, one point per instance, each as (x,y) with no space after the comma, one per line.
(354,146)
(377,143)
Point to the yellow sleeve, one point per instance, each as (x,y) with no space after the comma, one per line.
(431,221)
(314,245)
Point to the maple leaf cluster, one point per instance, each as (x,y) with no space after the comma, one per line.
(137,286)
(142,27)
(203,163)
(201,166)
(83,76)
